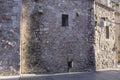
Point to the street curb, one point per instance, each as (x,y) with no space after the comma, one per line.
(40,75)
(9,77)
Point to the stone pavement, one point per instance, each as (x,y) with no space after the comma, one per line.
(103,75)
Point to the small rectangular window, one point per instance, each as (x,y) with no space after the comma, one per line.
(64,20)
(107,32)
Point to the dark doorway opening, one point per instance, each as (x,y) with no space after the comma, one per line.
(70,65)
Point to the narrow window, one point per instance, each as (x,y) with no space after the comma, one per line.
(107,32)
(64,20)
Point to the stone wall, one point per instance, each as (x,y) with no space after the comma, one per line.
(47,47)
(9,36)
(105,49)
(117,32)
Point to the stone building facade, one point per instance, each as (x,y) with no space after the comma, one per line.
(58,36)
(61,46)
(106,36)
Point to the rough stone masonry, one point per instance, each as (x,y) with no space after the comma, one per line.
(58,36)
(10,11)
(107,37)
(49,46)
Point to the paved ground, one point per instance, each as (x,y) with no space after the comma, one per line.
(104,75)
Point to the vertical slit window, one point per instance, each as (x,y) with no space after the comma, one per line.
(65,20)
(107,32)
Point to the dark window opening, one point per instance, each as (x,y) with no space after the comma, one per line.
(107,32)
(64,20)
(70,65)
(36,0)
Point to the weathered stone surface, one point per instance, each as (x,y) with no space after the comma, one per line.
(9,37)
(104,47)
(47,47)
(117,37)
